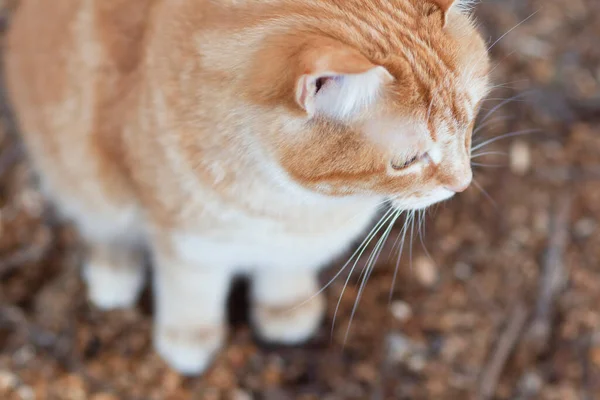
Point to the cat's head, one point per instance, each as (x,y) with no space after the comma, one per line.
(379,97)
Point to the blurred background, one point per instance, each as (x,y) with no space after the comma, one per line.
(504,303)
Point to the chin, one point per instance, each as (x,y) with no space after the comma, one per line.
(414,203)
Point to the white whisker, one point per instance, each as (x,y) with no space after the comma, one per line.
(489,153)
(485,193)
(401,248)
(512,29)
(501,61)
(502,99)
(491,122)
(368,271)
(410,249)
(507,85)
(508,135)
(358,254)
(502,104)
(421,235)
(368,210)
(488,165)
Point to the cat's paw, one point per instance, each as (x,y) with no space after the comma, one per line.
(189,352)
(111,287)
(290,324)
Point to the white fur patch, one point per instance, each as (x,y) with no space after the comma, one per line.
(345,95)
(111,287)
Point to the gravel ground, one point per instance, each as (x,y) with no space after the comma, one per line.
(503,304)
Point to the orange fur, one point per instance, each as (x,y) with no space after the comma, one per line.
(148,118)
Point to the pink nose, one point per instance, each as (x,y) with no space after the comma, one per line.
(460,185)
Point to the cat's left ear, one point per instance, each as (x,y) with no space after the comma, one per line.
(337,81)
(441,6)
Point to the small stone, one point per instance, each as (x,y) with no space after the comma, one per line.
(426,271)
(365,372)
(399,347)
(453,347)
(171,381)
(520,157)
(401,310)
(585,227)
(531,384)
(8,380)
(221,377)
(25,393)
(417,362)
(463,271)
(272,374)
(239,394)
(24,355)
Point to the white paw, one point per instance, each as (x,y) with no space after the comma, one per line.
(291,324)
(189,353)
(111,287)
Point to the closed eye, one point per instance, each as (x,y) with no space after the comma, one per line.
(399,165)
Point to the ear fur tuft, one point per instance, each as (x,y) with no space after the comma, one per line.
(338,81)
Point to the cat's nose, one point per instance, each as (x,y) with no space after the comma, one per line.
(460,184)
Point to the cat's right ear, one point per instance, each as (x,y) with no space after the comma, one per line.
(337,81)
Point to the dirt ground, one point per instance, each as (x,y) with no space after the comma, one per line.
(507,306)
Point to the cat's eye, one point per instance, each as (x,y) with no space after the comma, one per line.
(401,164)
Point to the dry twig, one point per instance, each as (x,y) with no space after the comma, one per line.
(554,276)
(507,343)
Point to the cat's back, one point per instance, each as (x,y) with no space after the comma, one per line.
(71,71)
(57,51)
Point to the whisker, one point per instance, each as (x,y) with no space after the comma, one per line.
(512,29)
(368,210)
(486,194)
(410,249)
(489,153)
(507,85)
(491,122)
(503,103)
(488,165)
(508,135)
(400,249)
(501,61)
(368,271)
(421,236)
(501,98)
(398,237)
(360,252)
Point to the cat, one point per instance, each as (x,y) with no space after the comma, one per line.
(239,137)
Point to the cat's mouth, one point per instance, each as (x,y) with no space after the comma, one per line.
(423,201)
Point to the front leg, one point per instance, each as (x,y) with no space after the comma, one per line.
(190,323)
(286,308)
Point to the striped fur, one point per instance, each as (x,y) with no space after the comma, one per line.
(239,136)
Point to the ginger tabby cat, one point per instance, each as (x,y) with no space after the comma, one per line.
(227,137)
